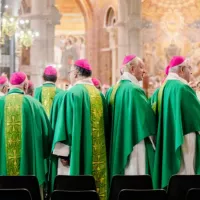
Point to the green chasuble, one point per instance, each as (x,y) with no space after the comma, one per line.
(45,95)
(81,125)
(153,96)
(55,108)
(178,113)
(25,136)
(132,121)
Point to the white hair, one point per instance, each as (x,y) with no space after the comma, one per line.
(20,86)
(3,85)
(135,62)
(176,68)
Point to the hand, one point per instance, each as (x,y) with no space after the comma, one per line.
(64,162)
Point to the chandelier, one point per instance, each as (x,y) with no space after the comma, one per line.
(14,26)
(25,36)
(9,24)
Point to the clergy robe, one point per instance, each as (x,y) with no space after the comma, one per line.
(45,95)
(178,141)
(81,126)
(60,148)
(133,122)
(55,108)
(25,136)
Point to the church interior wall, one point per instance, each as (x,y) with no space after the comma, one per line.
(103,64)
(168,30)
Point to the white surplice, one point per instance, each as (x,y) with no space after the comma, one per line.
(2,94)
(137,160)
(189,145)
(62,149)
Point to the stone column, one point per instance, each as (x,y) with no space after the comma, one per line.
(129,28)
(43,16)
(14,7)
(134,25)
(122,32)
(112,44)
(39,48)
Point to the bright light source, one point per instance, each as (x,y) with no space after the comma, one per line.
(37,34)
(17,34)
(12,19)
(21,21)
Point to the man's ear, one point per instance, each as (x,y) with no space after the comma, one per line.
(4,89)
(76,74)
(26,86)
(132,69)
(182,68)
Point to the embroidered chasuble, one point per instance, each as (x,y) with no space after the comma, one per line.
(81,126)
(133,122)
(13,130)
(177,112)
(25,136)
(55,108)
(45,95)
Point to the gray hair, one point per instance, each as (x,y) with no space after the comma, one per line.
(20,86)
(174,69)
(3,85)
(135,62)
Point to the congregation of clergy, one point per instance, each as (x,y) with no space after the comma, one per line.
(84,132)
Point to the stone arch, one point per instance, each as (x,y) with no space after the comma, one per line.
(110,17)
(87,11)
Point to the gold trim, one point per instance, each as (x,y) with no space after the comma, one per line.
(99,163)
(13,132)
(48,94)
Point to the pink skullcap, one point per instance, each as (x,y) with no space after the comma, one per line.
(175,62)
(30,84)
(50,71)
(17,78)
(96,82)
(3,80)
(83,63)
(128,58)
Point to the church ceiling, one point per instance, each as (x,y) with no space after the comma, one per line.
(67,6)
(72,18)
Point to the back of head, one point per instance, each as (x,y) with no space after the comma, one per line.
(96,83)
(30,88)
(4,84)
(19,80)
(50,74)
(83,67)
